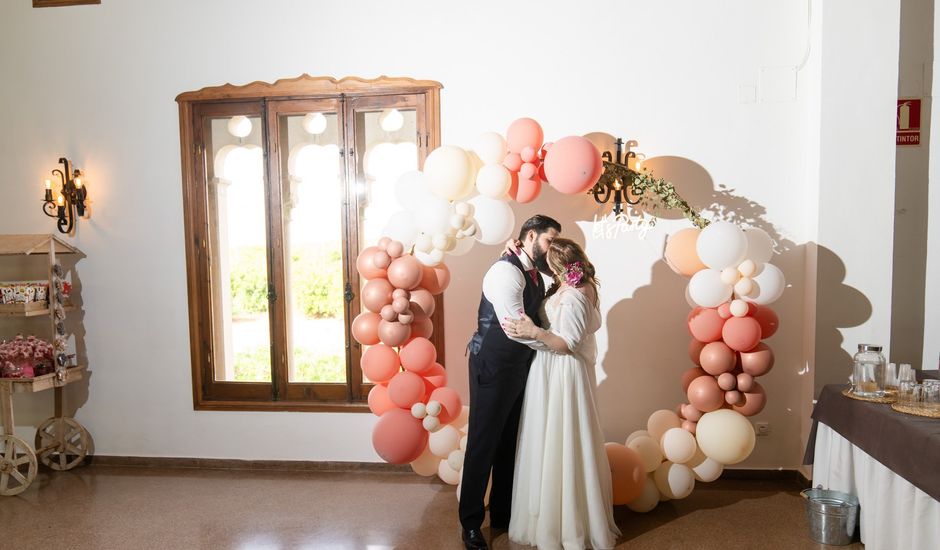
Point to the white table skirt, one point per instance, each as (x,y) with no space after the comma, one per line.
(894,514)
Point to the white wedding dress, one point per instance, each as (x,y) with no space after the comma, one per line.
(562,489)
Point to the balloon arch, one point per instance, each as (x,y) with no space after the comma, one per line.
(423,422)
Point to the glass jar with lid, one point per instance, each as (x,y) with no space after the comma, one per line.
(868,374)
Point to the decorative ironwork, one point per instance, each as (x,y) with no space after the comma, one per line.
(71,199)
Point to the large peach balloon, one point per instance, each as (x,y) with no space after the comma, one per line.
(680,254)
(626,471)
(754,401)
(365,328)
(379,403)
(435,279)
(705,395)
(380,363)
(393,333)
(365,266)
(451,405)
(405,272)
(757,361)
(405,389)
(717,358)
(398,437)
(522,133)
(573,165)
(725,436)
(418,355)
(705,324)
(741,333)
(691,374)
(769,322)
(376,294)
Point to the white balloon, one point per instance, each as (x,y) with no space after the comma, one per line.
(463,443)
(738,308)
(426,258)
(444,441)
(410,189)
(769,284)
(730,275)
(707,289)
(391,120)
(426,464)
(660,421)
(447,474)
(455,460)
(674,480)
(433,216)
(705,469)
(463,208)
(239,126)
(744,286)
(678,445)
(449,172)
(418,410)
(760,247)
(648,499)
(423,243)
(431,423)
(490,147)
(649,451)
(401,227)
(495,220)
(314,123)
(463,246)
(747,268)
(721,245)
(493,181)
(725,436)
(635,435)
(439,240)
(433,408)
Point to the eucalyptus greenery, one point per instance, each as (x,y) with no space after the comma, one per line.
(655,194)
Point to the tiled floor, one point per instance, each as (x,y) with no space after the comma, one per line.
(106,507)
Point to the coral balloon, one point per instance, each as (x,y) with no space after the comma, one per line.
(393,333)
(376,294)
(435,377)
(365,328)
(380,363)
(398,437)
(660,421)
(680,254)
(705,395)
(435,279)
(379,403)
(451,405)
(753,402)
(717,358)
(724,310)
(527,190)
(769,322)
(422,302)
(705,324)
(405,272)
(573,165)
(757,361)
(725,436)
(691,374)
(741,333)
(365,266)
(418,355)
(626,471)
(522,133)
(405,389)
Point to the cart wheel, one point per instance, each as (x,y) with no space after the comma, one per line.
(17,465)
(62,443)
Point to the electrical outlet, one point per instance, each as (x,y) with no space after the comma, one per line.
(762,428)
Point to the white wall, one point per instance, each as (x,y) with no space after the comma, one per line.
(714,96)
(931,358)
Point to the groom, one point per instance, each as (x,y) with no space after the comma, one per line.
(499,367)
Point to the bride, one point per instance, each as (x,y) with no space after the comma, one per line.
(562,490)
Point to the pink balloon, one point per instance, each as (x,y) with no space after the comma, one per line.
(768,320)
(745,382)
(405,272)
(741,333)
(691,374)
(545,147)
(435,279)
(406,317)
(422,303)
(513,162)
(380,363)
(705,324)
(724,310)
(393,333)
(689,412)
(435,377)
(727,381)
(365,266)
(689,426)
(758,361)
(365,328)
(400,293)
(376,294)
(383,243)
(705,395)
(733,397)
(400,305)
(529,154)
(395,249)
(573,165)
(422,328)
(381,259)
(513,184)
(405,389)
(527,171)
(379,403)
(418,355)
(754,401)
(388,313)
(522,133)
(717,358)
(528,191)
(451,405)
(695,351)
(398,437)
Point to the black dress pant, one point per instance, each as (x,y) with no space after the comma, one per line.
(496,392)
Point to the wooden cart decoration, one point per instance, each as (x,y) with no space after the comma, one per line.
(61,443)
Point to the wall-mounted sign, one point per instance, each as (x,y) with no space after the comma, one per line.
(908,122)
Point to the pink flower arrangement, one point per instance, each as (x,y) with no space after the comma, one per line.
(574,273)
(25,357)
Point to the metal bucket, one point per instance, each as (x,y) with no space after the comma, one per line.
(832,515)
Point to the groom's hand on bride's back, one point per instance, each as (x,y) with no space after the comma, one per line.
(513,246)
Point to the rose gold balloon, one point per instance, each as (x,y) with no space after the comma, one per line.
(400,305)
(422,302)
(393,333)
(405,272)
(388,313)
(435,279)
(758,361)
(689,412)
(689,426)
(727,381)
(745,382)
(383,243)
(395,249)
(769,322)
(695,351)
(754,401)
(400,293)
(733,397)
(422,327)
(365,328)
(381,259)
(717,358)
(406,318)
(691,374)
(705,395)
(364,264)
(376,294)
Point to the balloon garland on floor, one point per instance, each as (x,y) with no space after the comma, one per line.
(422,421)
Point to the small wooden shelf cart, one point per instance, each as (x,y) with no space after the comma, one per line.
(61,442)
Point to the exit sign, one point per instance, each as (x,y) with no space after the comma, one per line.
(907,124)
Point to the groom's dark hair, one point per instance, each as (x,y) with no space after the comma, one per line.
(540,224)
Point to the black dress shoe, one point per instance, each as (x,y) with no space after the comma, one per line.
(473,540)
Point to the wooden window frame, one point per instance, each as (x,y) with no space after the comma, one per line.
(268,101)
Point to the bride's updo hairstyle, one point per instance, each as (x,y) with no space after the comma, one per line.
(570,264)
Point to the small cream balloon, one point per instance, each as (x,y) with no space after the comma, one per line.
(419,411)
(738,308)
(650,453)
(455,459)
(423,243)
(458,221)
(314,123)
(391,120)
(431,423)
(730,275)
(439,240)
(434,408)
(747,268)
(744,286)
(239,126)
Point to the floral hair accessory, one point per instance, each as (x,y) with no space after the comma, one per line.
(574,273)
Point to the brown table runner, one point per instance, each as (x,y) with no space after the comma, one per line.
(907,445)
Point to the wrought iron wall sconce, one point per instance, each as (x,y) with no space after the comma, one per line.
(71,199)
(615,188)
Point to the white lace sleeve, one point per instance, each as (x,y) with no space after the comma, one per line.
(571,318)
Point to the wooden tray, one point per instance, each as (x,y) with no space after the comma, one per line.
(44,382)
(890,397)
(916,411)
